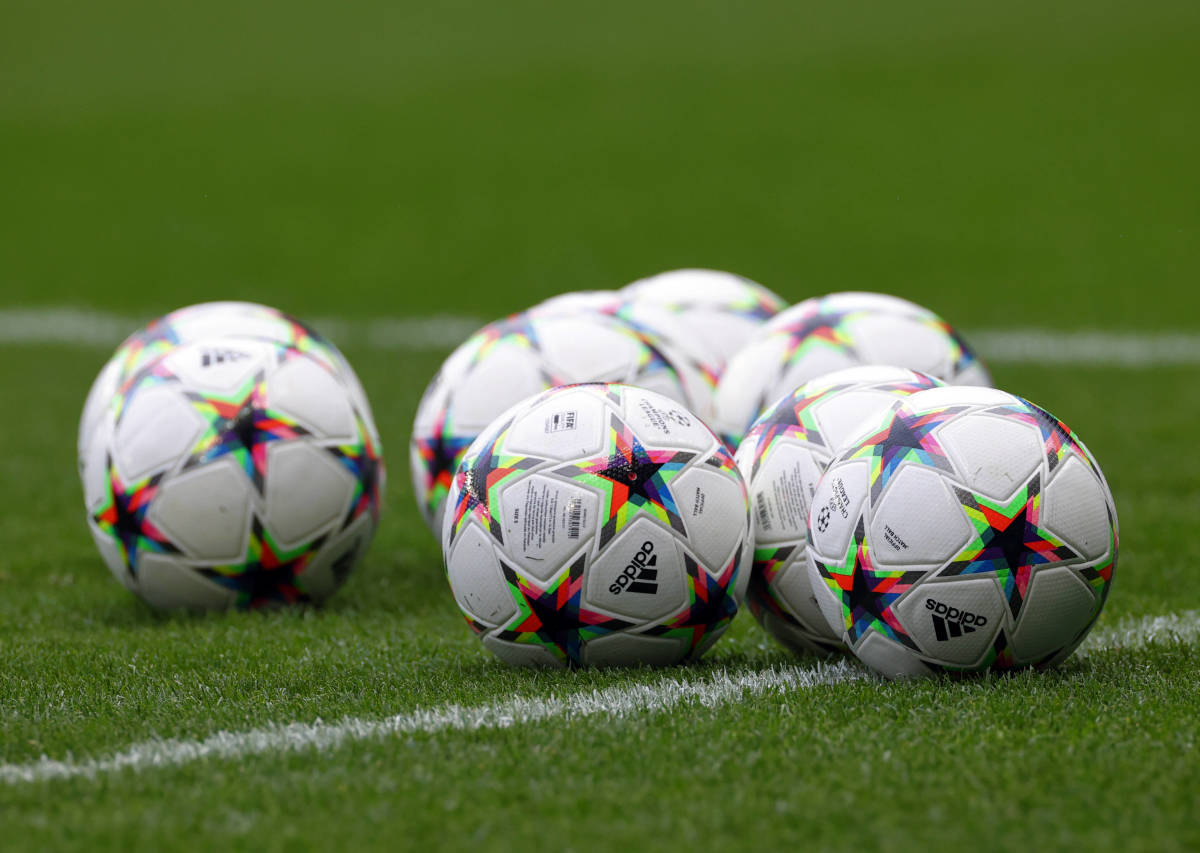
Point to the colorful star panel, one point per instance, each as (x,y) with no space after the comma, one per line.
(268,575)
(479,479)
(123,517)
(868,594)
(240,425)
(906,437)
(761,595)
(555,618)
(632,480)
(364,462)
(710,606)
(1008,541)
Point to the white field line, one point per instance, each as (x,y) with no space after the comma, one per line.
(719,688)
(86,328)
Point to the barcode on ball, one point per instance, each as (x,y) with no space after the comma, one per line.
(574,518)
(764,517)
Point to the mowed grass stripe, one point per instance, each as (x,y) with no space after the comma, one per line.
(712,690)
(86,328)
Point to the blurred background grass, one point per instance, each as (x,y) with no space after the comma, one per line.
(1019,164)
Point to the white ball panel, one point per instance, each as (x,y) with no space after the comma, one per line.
(103,389)
(712,505)
(220,365)
(891,660)
(568,425)
(164,582)
(660,421)
(308,491)
(1058,606)
(958,395)
(956,621)
(1075,509)
(843,490)
(93,465)
(995,456)
(746,385)
(850,416)
(476,579)
(508,374)
(521,654)
(314,397)
(794,586)
(902,341)
(918,521)
(588,349)
(206,511)
(324,574)
(827,602)
(645,567)
(545,521)
(633,650)
(156,428)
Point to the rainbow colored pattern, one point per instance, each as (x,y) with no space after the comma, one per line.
(632,480)
(868,594)
(555,618)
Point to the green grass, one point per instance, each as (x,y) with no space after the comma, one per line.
(1007,167)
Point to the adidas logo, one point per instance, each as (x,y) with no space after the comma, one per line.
(950,622)
(639,575)
(220,356)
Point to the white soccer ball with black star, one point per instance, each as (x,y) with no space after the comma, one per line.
(969,530)
(831,333)
(704,315)
(782,459)
(598,525)
(233,472)
(511,359)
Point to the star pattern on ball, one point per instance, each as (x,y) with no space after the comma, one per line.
(555,618)
(791,419)
(240,425)
(769,562)
(632,480)
(710,606)
(1057,438)
(479,477)
(122,516)
(906,437)
(868,594)
(440,452)
(1009,541)
(820,329)
(362,459)
(269,573)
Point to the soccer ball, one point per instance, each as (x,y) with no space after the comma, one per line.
(597,524)
(704,315)
(830,333)
(233,472)
(208,319)
(970,531)
(782,459)
(514,358)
